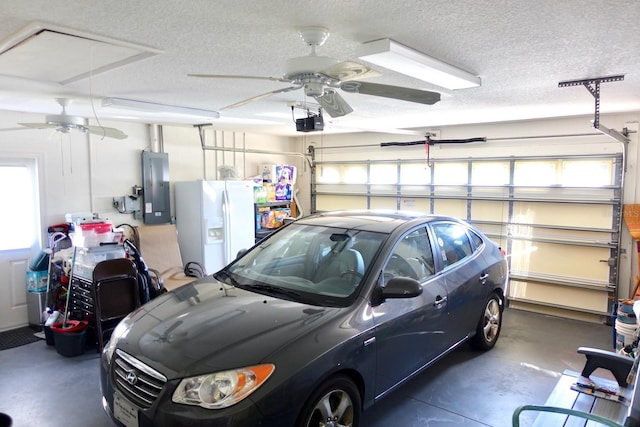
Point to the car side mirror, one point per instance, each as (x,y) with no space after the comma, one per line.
(401,287)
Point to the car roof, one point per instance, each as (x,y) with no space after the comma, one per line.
(382,221)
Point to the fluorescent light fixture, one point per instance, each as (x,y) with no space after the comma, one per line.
(130,104)
(394,56)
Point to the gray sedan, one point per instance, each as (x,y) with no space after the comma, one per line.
(309,327)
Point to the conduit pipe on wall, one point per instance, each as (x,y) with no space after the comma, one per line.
(90,168)
(156,144)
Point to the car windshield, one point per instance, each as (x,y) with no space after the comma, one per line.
(308,263)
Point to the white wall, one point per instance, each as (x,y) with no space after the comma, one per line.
(82,173)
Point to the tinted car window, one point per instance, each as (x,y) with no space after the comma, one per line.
(477,240)
(312,264)
(412,257)
(452,242)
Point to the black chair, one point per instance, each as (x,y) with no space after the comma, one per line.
(115,294)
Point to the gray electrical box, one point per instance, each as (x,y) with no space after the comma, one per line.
(155,188)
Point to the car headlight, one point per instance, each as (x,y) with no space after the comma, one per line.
(117,333)
(222,389)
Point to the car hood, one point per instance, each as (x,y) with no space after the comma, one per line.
(206,327)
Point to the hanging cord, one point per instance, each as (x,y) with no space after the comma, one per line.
(93,108)
(427,151)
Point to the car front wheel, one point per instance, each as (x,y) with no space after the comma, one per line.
(489,325)
(335,404)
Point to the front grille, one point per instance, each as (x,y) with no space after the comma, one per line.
(136,381)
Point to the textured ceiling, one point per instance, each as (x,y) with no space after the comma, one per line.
(520,49)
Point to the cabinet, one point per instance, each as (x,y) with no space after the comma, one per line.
(81,299)
(270,216)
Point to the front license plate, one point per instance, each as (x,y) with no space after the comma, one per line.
(124,411)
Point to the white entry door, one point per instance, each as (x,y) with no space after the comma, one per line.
(19,236)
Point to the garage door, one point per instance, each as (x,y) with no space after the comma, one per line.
(557,217)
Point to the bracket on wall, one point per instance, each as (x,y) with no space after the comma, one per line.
(593,86)
(201,131)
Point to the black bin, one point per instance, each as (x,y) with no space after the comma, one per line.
(70,339)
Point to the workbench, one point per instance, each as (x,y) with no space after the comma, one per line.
(603,400)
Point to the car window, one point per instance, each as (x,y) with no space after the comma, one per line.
(412,257)
(314,264)
(477,240)
(452,242)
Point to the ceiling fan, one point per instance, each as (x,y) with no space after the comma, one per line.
(65,122)
(321,76)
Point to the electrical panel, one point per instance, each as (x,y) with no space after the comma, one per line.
(155,188)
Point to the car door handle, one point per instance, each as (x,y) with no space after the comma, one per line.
(483,278)
(440,300)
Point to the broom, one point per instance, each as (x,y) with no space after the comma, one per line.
(631,215)
(66,306)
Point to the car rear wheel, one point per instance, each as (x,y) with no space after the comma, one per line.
(489,325)
(335,404)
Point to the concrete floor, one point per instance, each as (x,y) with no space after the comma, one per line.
(38,387)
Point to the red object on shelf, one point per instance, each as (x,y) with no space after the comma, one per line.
(97,227)
(61,228)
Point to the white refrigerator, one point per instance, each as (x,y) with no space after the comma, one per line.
(215,220)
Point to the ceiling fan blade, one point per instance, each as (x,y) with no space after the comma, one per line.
(350,70)
(256,98)
(12,129)
(107,132)
(334,104)
(39,125)
(395,92)
(227,76)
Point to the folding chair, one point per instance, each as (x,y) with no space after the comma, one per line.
(116,293)
(159,246)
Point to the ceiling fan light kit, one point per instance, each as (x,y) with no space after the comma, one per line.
(402,59)
(320,77)
(65,122)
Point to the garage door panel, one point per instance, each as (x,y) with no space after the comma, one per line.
(489,211)
(383,189)
(557,216)
(456,208)
(383,203)
(328,203)
(565,296)
(560,260)
(418,190)
(563,214)
(419,205)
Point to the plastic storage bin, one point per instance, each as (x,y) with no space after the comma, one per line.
(87,258)
(71,340)
(92,234)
